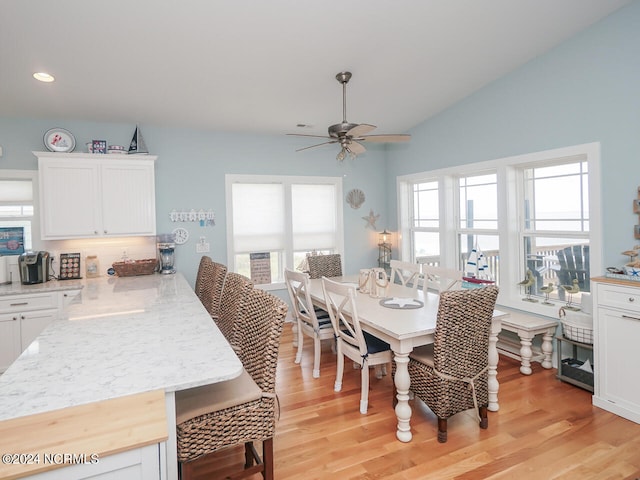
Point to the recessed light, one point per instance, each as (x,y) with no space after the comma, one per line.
(43,77)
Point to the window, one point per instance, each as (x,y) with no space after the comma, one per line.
(536,212)
(555,227)
(284,217)
(17,190)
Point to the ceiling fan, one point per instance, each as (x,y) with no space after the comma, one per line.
(350,135)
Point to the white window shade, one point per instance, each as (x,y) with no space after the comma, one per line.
(16,191)
(258,217)
(314,221)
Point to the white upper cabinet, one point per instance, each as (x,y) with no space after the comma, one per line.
(84,195)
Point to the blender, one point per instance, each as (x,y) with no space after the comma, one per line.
(166,253)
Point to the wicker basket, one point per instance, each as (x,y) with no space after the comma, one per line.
(137,267)
(576,332)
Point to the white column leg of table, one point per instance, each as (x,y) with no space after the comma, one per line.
(547,347)
(403,410)
(493,385)
(525,351)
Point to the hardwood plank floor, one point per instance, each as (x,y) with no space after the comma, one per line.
(545,429)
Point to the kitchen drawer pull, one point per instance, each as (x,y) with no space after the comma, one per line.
(18,304)
(630,317)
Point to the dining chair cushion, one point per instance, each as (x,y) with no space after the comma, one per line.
(374,344)
(423,354)
(198,401)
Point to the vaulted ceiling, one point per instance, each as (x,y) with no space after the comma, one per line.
(265,66)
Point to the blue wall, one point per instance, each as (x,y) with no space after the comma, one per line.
(586,90)
(191,168)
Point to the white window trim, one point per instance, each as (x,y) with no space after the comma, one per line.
(508,195)
(35,220)
(287,181)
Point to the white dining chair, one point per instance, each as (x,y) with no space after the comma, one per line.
(440,279)
(351,341)
(407,274)
(311,321)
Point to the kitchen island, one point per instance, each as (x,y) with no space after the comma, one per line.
(120,337)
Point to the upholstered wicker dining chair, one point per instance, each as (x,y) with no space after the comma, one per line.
(405,273)
(311,321)
(235,288)
(324,265)
(209,284)
(242,410)
(351,341)
(450,375)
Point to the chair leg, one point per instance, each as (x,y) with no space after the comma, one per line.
(267,458)
(442,430)
(339,372)
(484,419)
(299,343)
(248,455)
(316,357)
(185,471)
(364,389)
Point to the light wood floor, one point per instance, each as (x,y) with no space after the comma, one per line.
(545,429)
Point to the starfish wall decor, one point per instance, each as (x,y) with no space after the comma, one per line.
(371,220)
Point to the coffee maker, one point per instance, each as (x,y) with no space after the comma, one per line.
(34,267)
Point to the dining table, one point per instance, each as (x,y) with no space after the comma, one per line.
(405,327)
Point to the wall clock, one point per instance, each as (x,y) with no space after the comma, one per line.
(180,235)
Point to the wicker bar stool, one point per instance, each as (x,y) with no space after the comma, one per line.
(450,375)
(209,285)
(242,410)
(235,288)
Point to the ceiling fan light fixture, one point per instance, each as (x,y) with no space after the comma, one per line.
(341,154)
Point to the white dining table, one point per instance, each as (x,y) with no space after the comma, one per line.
(405,329)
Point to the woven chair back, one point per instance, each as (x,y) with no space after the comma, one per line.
(259,327)
(209,284)
(235,287)
(203,285)
(461,342)
(324,265)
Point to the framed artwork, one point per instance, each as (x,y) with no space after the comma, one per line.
(636,206)
(99,146)
(11,240)
(636,231)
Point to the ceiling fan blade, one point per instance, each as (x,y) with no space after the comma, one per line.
(305,135)
(317,145)
(356,148)
(385,138)
(360,130)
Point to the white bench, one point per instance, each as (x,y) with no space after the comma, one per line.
(527,327)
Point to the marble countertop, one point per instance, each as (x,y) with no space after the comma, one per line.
(17,288)
(119,337)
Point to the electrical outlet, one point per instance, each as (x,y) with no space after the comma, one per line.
(202,246)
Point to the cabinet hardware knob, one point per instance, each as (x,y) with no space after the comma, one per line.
(631,299)
(15,318)
(95,232)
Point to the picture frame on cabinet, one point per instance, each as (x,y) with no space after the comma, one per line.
(99,146)
(636,206)
(636,231)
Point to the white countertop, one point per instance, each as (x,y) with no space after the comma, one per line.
(17,288)
(119,337)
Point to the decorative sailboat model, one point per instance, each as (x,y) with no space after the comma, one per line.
(477,269)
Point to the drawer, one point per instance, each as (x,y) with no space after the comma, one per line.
(21,303)
(619,296)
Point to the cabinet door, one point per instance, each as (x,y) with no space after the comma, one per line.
(9,339)
(128,193)
(32,324)
(619,332)
(69,194)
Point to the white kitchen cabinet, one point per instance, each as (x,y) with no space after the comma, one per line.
(86,196)
(616,334)
(138,464)
(22,318)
